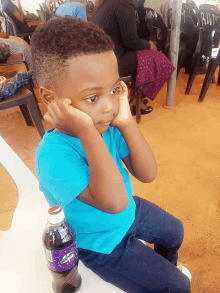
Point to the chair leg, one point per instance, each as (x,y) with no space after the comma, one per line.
(192,74)
(138,106)
(26,115)
(27,39)
(30,87)
(180,61)
(218,82)
(209,75)
(188,63)
(33,108)
(213,79)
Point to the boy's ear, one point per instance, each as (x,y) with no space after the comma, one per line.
(46,95)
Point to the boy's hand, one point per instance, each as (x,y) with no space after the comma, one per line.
(67,118)
(124,113)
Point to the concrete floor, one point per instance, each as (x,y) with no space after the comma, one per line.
(186,143)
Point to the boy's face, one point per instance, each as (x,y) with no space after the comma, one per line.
(92,86)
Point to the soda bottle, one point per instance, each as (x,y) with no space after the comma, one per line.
(61,252)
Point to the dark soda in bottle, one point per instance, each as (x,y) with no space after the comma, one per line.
(61,252)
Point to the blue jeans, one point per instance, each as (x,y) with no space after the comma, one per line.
(136,268)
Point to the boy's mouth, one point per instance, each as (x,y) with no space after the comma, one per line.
(104,123)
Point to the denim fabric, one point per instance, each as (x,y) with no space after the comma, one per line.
(136,268)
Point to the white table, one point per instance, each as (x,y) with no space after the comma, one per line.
(22,262)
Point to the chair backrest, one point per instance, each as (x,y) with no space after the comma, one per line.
(8,25)
(14,30)
(208,6)
(41,7)
(189,9)
(14,22)
(209,18)
(209,21)
(45,7)
(186,25)
(41,14)
(45,13)
(156,26)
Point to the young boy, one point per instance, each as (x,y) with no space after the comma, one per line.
(79,162)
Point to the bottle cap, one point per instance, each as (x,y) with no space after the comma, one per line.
(55,215)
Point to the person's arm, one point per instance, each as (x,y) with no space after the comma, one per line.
(15,58)
(13,9)
(4,35)
(106,190)
(20,10)
(18,15)
(125,14)
(141,162)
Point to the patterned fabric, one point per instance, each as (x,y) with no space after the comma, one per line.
(11,85)
(155,68)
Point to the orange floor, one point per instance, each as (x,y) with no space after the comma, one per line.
(186,143)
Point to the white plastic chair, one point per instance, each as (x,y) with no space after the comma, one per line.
(23,264)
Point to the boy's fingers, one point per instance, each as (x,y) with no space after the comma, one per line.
(123,86)
(124,90)
(63,104)
(54,110)
(48,118)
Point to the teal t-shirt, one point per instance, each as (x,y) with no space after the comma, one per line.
(63,173)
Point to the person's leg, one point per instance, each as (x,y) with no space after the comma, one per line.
(155,225)
(24,28)
(136,268)
(133,266)
(127,64)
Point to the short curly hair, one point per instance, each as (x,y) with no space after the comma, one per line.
(4,52)
(60,39)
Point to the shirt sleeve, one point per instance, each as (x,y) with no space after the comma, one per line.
(62,172)
(9,5)
(81,12)
(121,144)
(125,14)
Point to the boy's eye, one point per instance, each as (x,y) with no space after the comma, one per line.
(92,99)
(115,90)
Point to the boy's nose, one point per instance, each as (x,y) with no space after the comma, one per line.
(106,105)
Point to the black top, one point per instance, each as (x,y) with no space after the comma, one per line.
(9,8)
(118,19)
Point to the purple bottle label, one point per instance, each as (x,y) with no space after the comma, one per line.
(62,260)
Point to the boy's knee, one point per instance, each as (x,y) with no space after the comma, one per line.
(184,287)
(178,232)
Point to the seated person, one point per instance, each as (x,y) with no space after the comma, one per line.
(17,45)
(192,4)
(89,10)
(75,9)
(80,162)
(4,52)
(14,49)
(118,20)
(17,17)
(151,69)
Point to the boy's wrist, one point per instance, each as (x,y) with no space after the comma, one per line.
(126,124)
(86,132)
